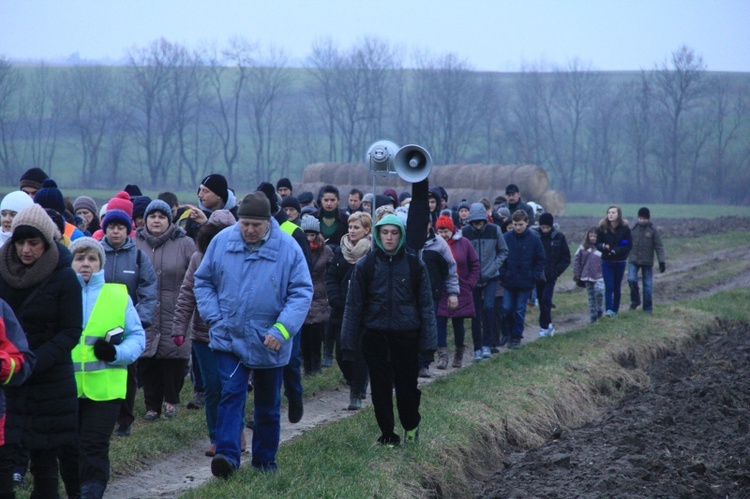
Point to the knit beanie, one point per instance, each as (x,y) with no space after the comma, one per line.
(477,212)
(86,244)
(289,202)
(217,184)
(16,201)
(116,217)
(158,205)
(284,182)
(308,210)
(140,203)
(503,212)
(369,198)
(546,219)
(310,224)
(255,205)
(86,203)
(268,189)
(121,201)
(392,194)
(33,177)
(463,204)
(445,222)
(133,190)
(403,197)
(221,218)
(644,213)
(305,197)
(49,196)
(35,216)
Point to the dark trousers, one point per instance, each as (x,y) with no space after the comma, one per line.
(393,361)
(311,342)
(293,372)
(544,292)
(89,462)
(127,406)
(355,372)
(483,322)
(162,381)
(43,468)
(195,373)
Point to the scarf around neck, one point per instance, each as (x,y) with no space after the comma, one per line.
(157,241)
(20,276)
(353,252)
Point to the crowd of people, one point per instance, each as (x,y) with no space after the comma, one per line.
(249,296)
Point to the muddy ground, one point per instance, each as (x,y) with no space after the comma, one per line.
(188,468)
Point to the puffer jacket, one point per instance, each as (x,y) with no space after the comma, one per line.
(321,258)
(124,266)
(467,265)
(587,264)
(170,255)
(646,242)
(620,242)
(244,296)
(556,252)
(43,412)
(16,360)
(491,249)
(187,321)
(389,300)
(526,260)
(437,245)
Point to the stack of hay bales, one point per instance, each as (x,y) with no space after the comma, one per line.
(470,182)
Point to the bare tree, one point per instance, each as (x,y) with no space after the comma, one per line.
(678,90)
(638,130)
(11,84)
(324,64)
(731,111)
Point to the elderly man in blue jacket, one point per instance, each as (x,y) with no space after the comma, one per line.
(253,289)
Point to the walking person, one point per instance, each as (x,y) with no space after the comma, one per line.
(614,240)
(467,268)
(355,245)
(587,270)
(36,280)
(253,289)
(162,366)
(390,313)
(112,339)
(646,242)
(557,259)
(188,323)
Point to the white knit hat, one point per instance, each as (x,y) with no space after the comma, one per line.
(16,201)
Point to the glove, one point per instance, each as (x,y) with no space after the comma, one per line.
(178,340)
(662,267)
(104,351)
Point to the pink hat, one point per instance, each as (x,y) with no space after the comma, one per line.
(121,201)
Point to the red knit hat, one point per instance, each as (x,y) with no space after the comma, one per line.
(121,201)
(445,222)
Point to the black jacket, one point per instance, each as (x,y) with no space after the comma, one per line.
(43,412)
(389,300)
(557,253)
(337,284)
(620,242)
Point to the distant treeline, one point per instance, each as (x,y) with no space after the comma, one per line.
(672,133)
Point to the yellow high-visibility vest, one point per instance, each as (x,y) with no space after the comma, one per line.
(289,227)
(97,379)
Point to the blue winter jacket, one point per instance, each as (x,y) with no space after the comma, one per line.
(525,262)
(243,296)
(134,341)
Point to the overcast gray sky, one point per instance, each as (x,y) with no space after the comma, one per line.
(494,35)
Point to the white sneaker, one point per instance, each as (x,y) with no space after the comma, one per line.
(543,333)
(486,353)
(551,330)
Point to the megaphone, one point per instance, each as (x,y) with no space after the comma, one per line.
(379,157)
(412,163)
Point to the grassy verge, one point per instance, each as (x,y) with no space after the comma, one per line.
(516,398)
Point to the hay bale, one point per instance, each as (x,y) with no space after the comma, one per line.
(501,175)
(312,173)
(553,202)
(531,179)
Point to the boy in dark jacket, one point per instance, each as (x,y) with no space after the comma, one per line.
(646,242)
(523,267)
(389,309)
(557,256)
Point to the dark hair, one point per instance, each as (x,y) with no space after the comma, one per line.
(329,189)
(24,232)
(519,216)
(357,192)
(169,197)
(206,233)
(57,218)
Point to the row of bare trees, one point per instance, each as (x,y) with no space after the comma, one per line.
(671,133)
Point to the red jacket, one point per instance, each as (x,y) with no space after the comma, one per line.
(16,360)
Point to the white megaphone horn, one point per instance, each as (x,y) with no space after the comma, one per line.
(412,163)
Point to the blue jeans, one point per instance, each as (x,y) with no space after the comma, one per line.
(293,371)
(612,273)
(459,332)
(514,310)
(230,422)
(211,384)
(647,274)
(483,322)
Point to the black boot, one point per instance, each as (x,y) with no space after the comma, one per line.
(93,489)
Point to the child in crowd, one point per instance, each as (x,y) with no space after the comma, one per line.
(587,271)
